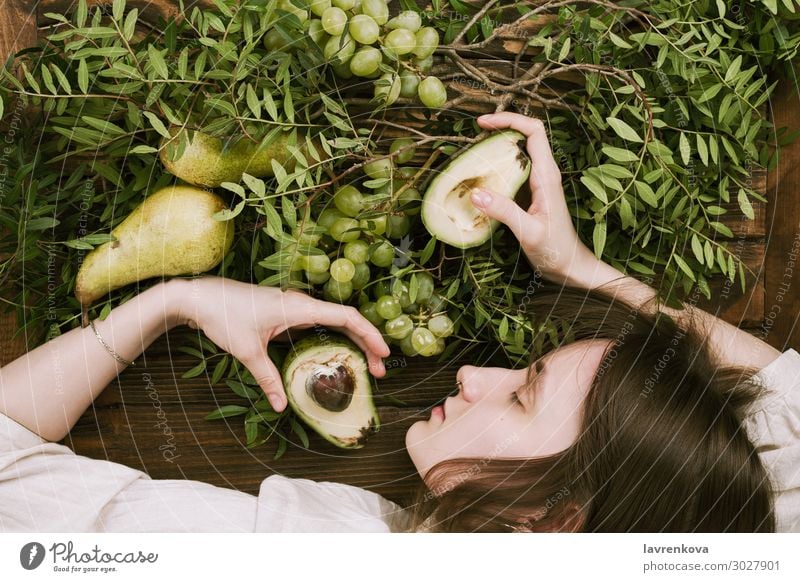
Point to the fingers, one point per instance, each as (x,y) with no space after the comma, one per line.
(538,145)
(268,377)
(505,210)
(346,319)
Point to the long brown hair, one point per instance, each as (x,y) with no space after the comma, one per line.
(662,447)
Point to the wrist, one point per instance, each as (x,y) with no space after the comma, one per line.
(177,292)
(589,272)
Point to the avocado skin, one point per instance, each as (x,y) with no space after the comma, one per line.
(171,233)
(430,218)
(306,347)
(206,162)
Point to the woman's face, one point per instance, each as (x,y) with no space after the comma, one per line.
(485,420)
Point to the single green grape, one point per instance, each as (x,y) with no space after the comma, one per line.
(440,346)
(344,4)
(407,348)
(409,201)
(343,270)
(317,264)
(441,326)
(437,304)
(409,82)
(342,70)
(305,237)
(328,216)
(364,29)
(382,255)
(400,41)
(380,288)
(377,9)
(275,41)
(427,40)
(361,276)
(407,154)
(423,65)
(425,287)
(399,327)
(348,200)
(316,32)
(319,7)
(423,341)
(379,168)
(375,225)
(300,14)
(387,88)
(371,314)
(357,251)
(388,307)
(408,19)
(334,20)
(406,172)
(342,230)
(337,291)
(432,92)
(339,49)
(398,226)
(365,61)
(317,278)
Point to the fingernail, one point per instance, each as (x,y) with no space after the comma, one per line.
(481,198)
(275,401)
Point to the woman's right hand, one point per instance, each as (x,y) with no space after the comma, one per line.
(545,232)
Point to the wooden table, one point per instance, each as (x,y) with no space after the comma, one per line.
(151,419)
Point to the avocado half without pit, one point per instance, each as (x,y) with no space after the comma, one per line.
(328,385)
(499,164)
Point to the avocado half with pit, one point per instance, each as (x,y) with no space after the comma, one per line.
(499,164)
(205,161)
(329,386)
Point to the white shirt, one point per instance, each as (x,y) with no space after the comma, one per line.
(46,487)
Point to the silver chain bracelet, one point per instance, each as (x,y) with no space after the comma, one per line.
(108,348)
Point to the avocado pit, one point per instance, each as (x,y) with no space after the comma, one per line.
(331,386)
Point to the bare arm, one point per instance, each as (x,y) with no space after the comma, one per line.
(47,389)
(730,345)
(548,238)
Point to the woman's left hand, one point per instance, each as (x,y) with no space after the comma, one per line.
(242,319)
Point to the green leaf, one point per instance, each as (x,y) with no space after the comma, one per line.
(427,252)
(196,371)
(129,28)
(697,248)
(619,154)
(228,213)
(42,223)
(143,149)
(646,193)
(595,187)
(252,102)
(702,149)
(157,61)
(227,411)
(1,107)
(298,429)
(685,148)
(118,9)
(243,390)
(745,205)
(157,124)
(721,228)
(624,130)
(83,76)
(619,41)
(599,238)
(684,267)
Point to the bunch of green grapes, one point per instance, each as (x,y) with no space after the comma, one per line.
(420,326)
(350,241)
(360,39)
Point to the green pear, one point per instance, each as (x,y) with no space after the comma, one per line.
(172,232)
(206,162)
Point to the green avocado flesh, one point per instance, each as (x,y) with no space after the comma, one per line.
(328,385)
(498,164)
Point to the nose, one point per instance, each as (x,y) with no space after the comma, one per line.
(469,383)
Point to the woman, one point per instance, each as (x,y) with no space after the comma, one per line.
(638,424)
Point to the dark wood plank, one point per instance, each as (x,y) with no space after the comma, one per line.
(17,27)
(783,225)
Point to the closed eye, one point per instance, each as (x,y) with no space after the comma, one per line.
(529,386)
